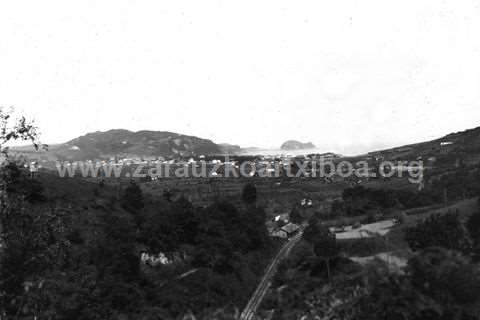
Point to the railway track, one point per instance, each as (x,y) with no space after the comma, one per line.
(257,297)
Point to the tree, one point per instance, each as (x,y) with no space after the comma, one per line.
(12,130)
(28,238)
(255,231)
(16,129)
(296,215)
(324,243)
(438,284)
(167,194)
(19,184)
(311,230)
(446,275)
(249,194)
(473,226)
(445,231)
(34,245)
(392,296)
(132,199)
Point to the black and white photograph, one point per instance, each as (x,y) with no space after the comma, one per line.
(240,160)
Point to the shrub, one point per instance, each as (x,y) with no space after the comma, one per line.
(445,231)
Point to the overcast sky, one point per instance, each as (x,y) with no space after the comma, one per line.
(350,76)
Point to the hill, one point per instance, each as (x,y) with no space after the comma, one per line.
(125,143)
(464,145)
(296,145)
(227,148)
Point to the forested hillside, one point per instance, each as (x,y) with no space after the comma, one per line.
(86,248)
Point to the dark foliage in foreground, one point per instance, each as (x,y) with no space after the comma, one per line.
(439,284)
(249,194)
(473,225)
(79,257)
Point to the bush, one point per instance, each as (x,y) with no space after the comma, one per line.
(473,226)
(249,194)
(445,231)
(439,284)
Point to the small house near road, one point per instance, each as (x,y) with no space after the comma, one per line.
(287,231)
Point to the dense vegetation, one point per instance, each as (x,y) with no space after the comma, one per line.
(445,231)
(69,256)
(359,200)
(441,280)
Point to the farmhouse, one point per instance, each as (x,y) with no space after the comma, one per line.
(286,231)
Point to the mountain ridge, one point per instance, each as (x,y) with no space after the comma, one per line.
(464,143)
(142,143)
(149,143)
